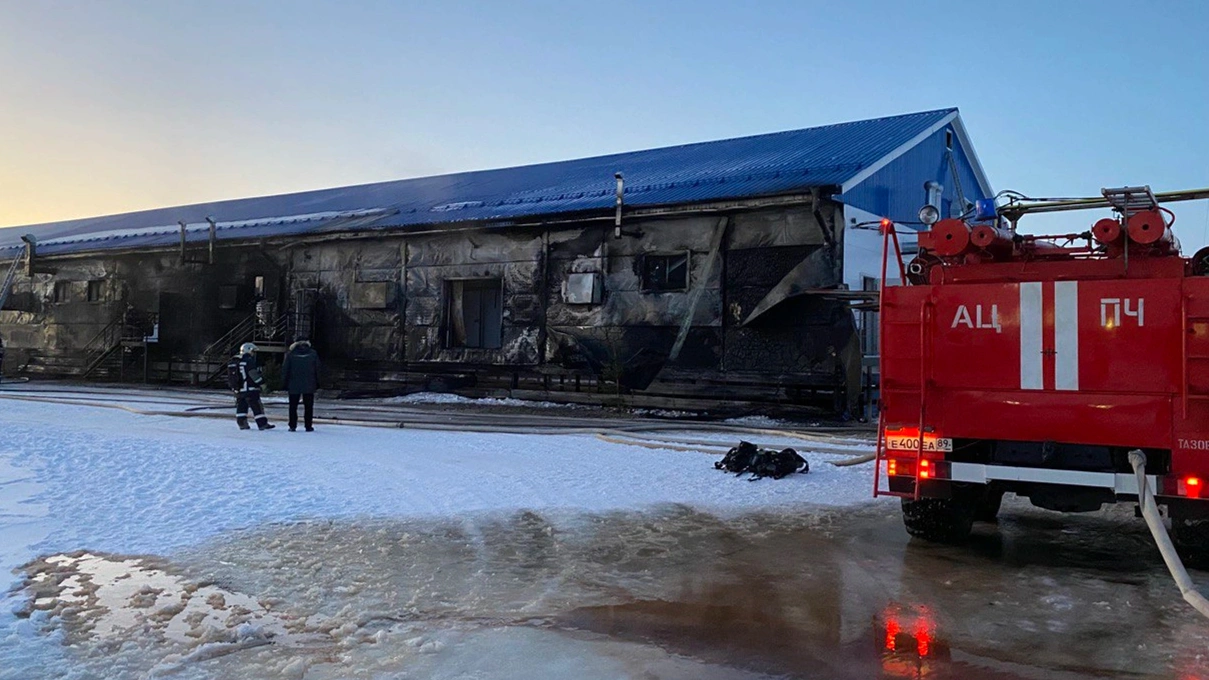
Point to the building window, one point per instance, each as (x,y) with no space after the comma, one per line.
(228,296)
(62,291)
(664,272)
(949,140)
(476,313)
(95,291)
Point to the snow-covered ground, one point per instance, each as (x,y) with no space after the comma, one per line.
(446,398)
(126,487)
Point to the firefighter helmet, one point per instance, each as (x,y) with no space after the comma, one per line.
(247,348)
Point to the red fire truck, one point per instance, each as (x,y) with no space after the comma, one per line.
(1033,364)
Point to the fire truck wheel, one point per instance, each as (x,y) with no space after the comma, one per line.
(1191,539)
(940,520)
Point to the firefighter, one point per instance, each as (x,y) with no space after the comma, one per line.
(244,379)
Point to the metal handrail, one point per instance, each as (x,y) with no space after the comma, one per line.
(243,331)
(227,342)
(103,343)
(276,331)
(1015,210)
(102,340)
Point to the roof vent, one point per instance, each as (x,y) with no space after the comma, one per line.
(461,205)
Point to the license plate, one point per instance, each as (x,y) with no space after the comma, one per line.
(943,444)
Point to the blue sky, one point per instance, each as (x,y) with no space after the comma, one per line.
(122,105)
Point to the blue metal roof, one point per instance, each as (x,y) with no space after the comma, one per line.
(746,167)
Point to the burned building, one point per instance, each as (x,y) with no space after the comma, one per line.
(724,270)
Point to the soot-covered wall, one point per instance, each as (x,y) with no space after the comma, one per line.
(51,317)
(740,316)
(707,300)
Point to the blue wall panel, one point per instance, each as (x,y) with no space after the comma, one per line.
(897,190)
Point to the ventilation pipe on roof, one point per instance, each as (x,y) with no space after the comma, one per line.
(182,223)
(31,251)
(618,232)
(620,204)
(31,257)
(213,236)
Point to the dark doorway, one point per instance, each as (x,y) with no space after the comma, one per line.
(476,313)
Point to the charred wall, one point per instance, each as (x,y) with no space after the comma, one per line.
(760,262)
(51,318)
(631,334)
(676,303)
(513,260)
(353,288)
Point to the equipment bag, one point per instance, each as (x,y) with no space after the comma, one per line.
(738,459)
(761,463)
(777,464)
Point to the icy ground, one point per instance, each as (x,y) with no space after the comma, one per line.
(160,545)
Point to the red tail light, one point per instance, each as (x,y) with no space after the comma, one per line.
(1193,487)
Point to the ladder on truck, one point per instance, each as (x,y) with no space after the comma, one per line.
(925,324)
(11,276)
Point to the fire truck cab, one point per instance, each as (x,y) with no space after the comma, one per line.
(1032,365)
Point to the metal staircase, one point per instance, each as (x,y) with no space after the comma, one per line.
(127,334)
(272,337)
(103,346)
(229,342)
(7,286)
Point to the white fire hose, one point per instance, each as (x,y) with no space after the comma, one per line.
(1150,511)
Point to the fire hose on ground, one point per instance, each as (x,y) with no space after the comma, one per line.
(1150,511)
(642,435)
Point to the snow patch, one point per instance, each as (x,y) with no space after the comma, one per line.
(101,597)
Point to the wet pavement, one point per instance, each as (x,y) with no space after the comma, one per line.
(669,593)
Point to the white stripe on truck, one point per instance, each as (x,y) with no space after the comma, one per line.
(1066,335)
(1030,336)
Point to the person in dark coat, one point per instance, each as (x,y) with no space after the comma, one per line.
(245,379)
(300,377)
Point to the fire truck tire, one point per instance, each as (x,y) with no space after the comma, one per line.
(940,520)
(1191,539)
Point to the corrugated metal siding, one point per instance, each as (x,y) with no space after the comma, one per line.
(777,163)
(897,190)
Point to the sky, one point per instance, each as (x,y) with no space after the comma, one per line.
(129,104)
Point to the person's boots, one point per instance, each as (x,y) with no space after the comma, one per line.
(243,423)
(266,426)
